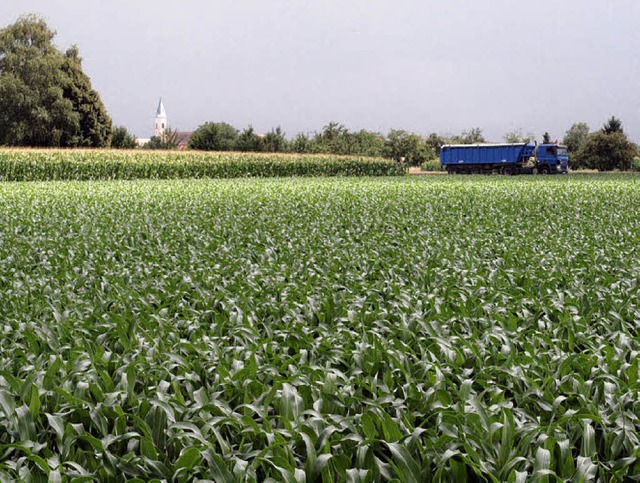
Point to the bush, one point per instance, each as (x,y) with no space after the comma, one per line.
(635,165)
(122,139)
(433,165)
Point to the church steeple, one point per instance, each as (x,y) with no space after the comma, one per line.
(161,120)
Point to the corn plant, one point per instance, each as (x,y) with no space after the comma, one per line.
(44,165)
(335,329)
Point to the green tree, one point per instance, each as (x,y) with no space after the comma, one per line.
(576,137)
(606,152)
(122,138)
(95,123)
(613,125)
(214,136)
(435,142)
(546,138)
(249,141)
(517,137)
(407,147)
(45,98)
(366,143)
(470,136)
(334,139)
(275,141)
(303,144)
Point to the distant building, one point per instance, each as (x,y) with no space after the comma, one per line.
(161,127)
(183,139)
(161,120)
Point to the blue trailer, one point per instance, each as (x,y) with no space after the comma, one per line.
(519,158)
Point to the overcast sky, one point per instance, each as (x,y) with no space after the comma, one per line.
(420,65)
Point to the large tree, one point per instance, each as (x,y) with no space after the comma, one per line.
(606,152)
(95,123)
(45,97)
(407,147)
(576,136)
(214,136)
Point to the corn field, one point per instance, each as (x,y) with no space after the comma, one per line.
(336,329)
(45,165)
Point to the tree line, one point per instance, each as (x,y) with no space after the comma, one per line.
(334,138)
(46,100)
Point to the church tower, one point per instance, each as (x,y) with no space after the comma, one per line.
(161,120)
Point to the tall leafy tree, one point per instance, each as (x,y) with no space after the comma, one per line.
(576,136)
(606,152)
(45,98)
(367,143)
(95,124)
(407,147)
(607,149)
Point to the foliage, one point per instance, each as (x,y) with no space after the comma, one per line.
(576,137)
(424,329)
(303,144)
(214,136)
(249,141)
(333,139)
(367,143)
(613,125)
(606,152)
(42,165)
(122,138)
(275,141)
(435,142)
(167,140)
(432,165)
(45,97)
(471,136)
(407,147)
(517,137)
(95,124)
(635,165)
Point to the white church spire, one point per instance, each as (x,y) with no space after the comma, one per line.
(161,120)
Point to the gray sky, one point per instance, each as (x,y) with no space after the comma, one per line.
(424,66)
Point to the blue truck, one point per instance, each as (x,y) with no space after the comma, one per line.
(518,158)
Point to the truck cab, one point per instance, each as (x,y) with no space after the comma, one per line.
(552,158)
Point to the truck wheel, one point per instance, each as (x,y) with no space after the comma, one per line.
(544,170)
